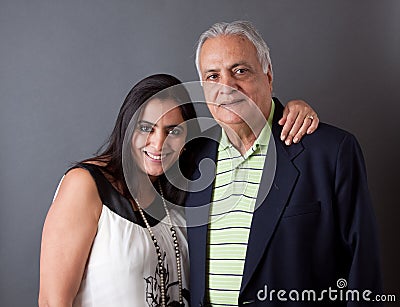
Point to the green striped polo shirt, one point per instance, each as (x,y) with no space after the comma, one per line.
(234,195)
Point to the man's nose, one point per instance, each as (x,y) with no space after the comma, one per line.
(228,85)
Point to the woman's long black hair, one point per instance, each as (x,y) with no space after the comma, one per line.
(110,158)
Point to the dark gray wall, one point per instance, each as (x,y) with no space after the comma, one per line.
(66,66)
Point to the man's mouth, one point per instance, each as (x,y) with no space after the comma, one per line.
(231,102)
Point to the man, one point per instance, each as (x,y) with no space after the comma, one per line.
(278,224)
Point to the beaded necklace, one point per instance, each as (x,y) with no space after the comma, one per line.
(158,250)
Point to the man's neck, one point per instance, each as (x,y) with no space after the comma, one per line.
(243,136)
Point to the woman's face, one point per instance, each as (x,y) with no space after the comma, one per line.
(159,137)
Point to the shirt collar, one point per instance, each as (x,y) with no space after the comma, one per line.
(263,138)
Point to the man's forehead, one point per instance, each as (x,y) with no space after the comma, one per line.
(239,37)
(232,50)
(229,40)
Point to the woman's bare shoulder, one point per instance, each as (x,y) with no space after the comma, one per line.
(78,191)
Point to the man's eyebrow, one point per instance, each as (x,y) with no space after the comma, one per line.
(211,70)
(244,63)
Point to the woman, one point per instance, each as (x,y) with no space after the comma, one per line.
(99,246)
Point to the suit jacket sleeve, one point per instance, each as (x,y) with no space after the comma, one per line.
(356,219)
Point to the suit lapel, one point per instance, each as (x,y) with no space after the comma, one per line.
(198,208)
(273,195)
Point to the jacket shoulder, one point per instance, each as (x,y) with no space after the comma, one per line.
(328,135)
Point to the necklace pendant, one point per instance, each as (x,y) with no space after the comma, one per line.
(162,272)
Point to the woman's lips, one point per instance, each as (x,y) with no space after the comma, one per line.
(154,156)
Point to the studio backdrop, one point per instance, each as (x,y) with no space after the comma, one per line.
(66,66)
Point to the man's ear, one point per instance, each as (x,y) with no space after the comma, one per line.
(269,77)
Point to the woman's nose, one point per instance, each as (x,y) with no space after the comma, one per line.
(157,139)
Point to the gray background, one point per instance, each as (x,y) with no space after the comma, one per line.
(66,66)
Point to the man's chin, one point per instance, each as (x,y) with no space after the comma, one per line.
(230,120)
(228,114)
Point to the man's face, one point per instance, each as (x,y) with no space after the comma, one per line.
(232,62)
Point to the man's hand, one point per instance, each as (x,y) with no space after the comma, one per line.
(297,120)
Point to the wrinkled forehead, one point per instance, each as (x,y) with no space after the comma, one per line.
(226,49)
(236,40)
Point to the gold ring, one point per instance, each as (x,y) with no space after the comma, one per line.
(310,117)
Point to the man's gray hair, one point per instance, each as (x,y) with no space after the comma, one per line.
(241,28)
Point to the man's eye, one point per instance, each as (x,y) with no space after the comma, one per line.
(212,77)
(240,71)
(145,128)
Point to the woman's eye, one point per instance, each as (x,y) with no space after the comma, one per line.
(175,131)
(145,128)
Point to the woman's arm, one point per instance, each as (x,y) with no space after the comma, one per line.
(298,119)
(68,234)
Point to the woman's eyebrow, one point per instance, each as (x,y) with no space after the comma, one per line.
(146,122)
(175,125)
(169,126)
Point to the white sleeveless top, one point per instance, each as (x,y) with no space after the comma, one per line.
(122,266)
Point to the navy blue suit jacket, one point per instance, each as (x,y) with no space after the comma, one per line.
(315,225)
